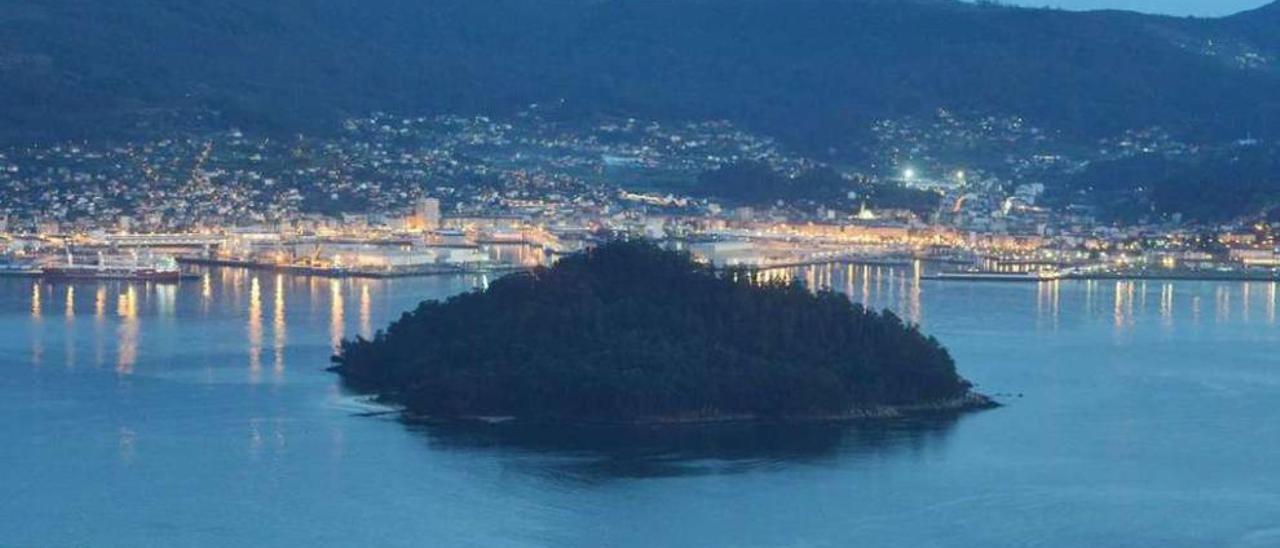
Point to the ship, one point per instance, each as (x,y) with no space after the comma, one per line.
(131,266)
(8,268)
(12,264)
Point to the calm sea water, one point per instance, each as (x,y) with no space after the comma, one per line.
(1140,414)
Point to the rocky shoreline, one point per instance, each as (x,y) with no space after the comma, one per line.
(971,401)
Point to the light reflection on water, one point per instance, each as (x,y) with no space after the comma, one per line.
(897,288)
(337,328)
(366,311)
(128,329)
(278,328)
(900,288)
(1147,416)
(255,331)
(36,307)
(1268,296)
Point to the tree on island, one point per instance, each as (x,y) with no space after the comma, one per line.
(628,331)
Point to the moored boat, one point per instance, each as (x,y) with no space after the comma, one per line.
(117,267)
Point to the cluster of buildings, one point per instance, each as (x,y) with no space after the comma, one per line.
(392,195)
(375,164)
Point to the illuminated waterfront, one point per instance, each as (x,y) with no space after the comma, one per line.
(200,412)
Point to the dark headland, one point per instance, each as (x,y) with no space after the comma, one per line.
(631,333)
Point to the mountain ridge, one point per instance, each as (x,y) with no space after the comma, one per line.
(814,72)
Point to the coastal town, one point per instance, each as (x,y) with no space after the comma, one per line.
(397,196)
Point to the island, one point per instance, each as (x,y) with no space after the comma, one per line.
(628,332)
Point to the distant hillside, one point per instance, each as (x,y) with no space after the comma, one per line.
(754,183)
(1215,185)
(811,71)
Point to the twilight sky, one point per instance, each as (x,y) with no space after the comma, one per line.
(1172,7)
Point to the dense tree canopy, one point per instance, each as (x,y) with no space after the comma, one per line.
(628,331)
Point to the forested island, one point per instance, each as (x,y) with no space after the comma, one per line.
(629,332)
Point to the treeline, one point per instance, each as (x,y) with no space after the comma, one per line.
(630,331)
(755,183)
